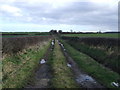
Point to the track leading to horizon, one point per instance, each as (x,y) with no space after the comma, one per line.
(61,71)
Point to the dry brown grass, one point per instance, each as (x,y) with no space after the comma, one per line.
(15,44)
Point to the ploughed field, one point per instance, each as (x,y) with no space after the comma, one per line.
(37,60)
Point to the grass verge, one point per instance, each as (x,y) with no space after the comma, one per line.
(93,68)
(62,76)
(102,56)
(23,69)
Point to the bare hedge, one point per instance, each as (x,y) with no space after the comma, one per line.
(16,44)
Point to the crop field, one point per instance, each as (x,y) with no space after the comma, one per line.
(23,34)
(108,35)
(52,60)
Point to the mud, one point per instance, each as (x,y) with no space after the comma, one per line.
(43,74)
(82,78)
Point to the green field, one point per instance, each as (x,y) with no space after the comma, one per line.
(13,36)
(108,35)
(23,34)
(30,33)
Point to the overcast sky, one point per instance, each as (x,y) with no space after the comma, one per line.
(44,15)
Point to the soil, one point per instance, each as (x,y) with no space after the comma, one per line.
(82,78)
(43,74)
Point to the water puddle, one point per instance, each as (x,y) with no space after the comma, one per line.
(87,81)
(84,78)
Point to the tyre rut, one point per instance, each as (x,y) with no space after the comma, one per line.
(82,78)
(43,74)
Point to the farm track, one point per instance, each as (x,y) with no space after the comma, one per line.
(42,74)
(82,78)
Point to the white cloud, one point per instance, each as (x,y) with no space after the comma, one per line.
(87,14)
(7,1)
(11,9)
(107,3)
(29,19)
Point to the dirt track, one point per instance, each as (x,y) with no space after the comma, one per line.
(82,78)
(43,74)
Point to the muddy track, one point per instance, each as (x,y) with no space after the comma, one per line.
(43,73)
(82,78)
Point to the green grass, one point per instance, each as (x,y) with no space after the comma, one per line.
(22,71)
(108,35)
(62,76)
(102,74)
(100,55)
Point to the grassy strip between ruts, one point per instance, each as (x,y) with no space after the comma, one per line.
(62,76)
(24,73)
(93,68)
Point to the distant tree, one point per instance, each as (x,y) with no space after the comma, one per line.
(53,31)
(60,31)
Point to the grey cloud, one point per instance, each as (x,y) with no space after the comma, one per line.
(74,13)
